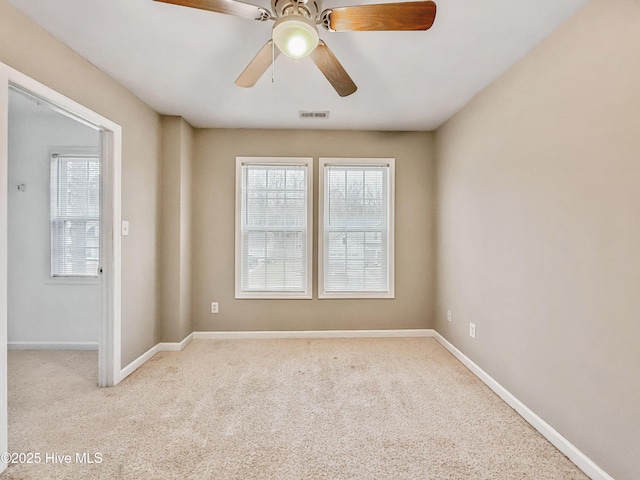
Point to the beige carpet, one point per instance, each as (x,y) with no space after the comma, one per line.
(274,409)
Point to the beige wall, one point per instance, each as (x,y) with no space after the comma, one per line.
(31,50)
(213,230)
(539,232)
(175,267)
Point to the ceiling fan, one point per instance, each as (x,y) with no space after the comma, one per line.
(295,31)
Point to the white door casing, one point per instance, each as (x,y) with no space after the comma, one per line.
(109,342)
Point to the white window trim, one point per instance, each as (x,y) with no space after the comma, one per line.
(288,161)
(323,162)
(71,279)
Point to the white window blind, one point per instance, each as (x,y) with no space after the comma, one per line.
(356,221)
(75,215)
(273,256)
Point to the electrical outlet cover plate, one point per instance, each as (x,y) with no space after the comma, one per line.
(472,330)
(448,315)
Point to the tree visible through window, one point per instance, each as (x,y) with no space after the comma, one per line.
(75,215)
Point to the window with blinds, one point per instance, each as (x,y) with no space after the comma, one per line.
(356,239)
(273,227)
(75,215)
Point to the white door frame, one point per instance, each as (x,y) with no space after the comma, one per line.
(109,342)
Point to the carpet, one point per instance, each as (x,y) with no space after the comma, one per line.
(383,408)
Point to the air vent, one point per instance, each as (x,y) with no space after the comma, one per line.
(306,114)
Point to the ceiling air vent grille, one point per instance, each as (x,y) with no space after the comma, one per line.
(307,114)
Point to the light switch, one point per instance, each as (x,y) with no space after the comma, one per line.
(125,227)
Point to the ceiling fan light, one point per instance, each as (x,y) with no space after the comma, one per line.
(295,36)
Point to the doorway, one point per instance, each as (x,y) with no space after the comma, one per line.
(110,134)
(54,274)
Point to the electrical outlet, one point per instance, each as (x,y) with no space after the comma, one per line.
(448,315)
(214,307)
(472,330)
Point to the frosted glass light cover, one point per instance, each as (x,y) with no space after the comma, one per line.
(296,37)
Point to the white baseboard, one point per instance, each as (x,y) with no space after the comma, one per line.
(583,462)
(52,345)
(402,333)
(160,347)
(174,346)
(138,362)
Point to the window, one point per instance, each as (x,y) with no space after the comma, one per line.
(75,215)
(356,238)
(273,227)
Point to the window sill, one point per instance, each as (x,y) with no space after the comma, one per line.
(272,296)
(356,295)
(72,280)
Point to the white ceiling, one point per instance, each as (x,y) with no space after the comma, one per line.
(183,61)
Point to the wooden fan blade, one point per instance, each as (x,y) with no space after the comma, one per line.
(252,73)
(230,7)
(333,70)
(385,16)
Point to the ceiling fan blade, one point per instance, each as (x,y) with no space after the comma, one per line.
(258,65)
(230,7)
(384,16)
(333,70)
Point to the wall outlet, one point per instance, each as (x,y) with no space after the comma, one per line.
(472,330)
(214,307)
(448,315)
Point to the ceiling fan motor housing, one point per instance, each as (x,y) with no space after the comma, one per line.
(306,8)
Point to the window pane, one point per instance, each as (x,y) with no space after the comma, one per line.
(275,261)
(356,229)
(273,228)
(75,215)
